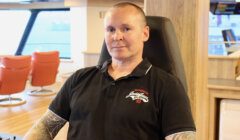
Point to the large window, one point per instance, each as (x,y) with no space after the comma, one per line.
(50,31)
(24,31)
(12,26)
(217,24)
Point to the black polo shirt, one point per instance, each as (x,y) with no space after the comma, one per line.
(147,104)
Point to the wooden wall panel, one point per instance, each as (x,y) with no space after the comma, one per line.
(190,19)
(185,27)
(201,91)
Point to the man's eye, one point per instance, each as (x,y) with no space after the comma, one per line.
(110,29)
(126,29)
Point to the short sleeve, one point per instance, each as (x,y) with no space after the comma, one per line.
(176,113)
(61,103)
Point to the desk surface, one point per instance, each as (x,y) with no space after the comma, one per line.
(223,84)
(233,48)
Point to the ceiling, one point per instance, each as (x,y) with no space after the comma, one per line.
(111,2)
(28,1)
(31,1)
(5,4)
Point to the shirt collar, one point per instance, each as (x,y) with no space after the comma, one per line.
(141,69)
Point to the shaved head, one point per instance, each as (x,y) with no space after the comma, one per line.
(139,10)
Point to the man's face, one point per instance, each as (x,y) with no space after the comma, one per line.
(125,33)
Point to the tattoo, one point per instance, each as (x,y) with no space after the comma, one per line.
(187,135)
(47,127)
(53,123)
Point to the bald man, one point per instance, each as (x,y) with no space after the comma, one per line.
(126,98)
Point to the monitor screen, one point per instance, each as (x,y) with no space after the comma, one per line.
(225,8)
(237,9)
(229,37)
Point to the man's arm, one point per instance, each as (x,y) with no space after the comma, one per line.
(46,128)
(187,135)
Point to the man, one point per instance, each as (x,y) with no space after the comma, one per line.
(126,98)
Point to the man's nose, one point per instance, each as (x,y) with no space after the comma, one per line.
(118,35)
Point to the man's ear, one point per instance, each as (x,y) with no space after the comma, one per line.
(146,33)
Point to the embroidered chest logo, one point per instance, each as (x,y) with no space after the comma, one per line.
(138,95)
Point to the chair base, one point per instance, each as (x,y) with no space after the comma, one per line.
(5,102)
(41,92)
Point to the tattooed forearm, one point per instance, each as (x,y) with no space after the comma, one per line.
(188,135)
(38,132)
(53,123)
(46,128)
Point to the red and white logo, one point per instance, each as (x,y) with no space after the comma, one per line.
(138,95)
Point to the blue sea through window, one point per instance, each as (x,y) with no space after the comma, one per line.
(50,31)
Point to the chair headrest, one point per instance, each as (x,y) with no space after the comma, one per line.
(16,62)
(50,56)
(162,39)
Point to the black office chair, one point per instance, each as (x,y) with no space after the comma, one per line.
(162,48)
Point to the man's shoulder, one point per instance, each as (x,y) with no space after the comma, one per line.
(86,69)
(160,73)
(84,72)
(165,77)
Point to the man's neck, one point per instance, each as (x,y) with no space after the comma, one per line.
(122,68)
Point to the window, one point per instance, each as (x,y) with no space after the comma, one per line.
(12,26)
(218,23)
(50,31)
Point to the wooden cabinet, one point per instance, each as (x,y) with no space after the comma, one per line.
(222,84)
(220,89)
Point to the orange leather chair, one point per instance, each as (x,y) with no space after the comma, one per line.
(14,71)
(44,71)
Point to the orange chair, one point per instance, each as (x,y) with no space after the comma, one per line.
(44,71)
(14,71)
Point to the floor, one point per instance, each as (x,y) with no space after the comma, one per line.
(17,120)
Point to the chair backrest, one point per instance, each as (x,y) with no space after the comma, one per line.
(44,68)
(229,37)
(14,71)
(162,48)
